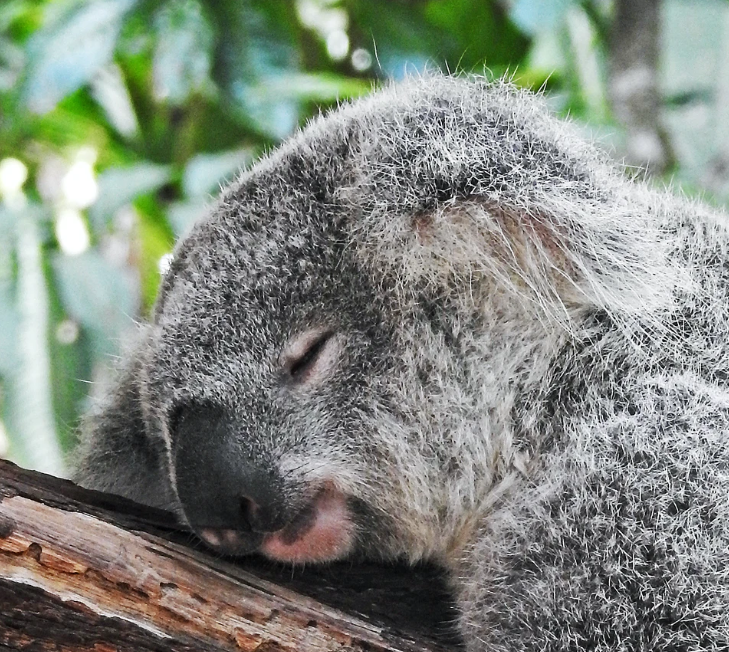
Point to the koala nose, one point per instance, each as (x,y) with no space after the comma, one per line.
(225,493)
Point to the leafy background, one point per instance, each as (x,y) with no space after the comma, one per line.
(119,120)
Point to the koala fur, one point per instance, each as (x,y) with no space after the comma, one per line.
(437,324)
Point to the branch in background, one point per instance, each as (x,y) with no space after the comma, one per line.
(633,48)
(716,177)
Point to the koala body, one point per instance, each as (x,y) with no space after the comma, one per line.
(437,324)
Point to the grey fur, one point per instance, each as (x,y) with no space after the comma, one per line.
(530,376)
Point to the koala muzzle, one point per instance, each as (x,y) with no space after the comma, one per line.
(228,498)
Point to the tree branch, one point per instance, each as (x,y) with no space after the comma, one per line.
(81,570)
(633,85)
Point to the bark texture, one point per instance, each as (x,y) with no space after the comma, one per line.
(80,570)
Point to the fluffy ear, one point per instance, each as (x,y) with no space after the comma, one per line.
(476,183)
(116,453)
(557,253)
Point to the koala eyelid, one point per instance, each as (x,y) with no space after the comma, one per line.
(297,366)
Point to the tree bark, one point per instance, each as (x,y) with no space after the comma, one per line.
(85,571)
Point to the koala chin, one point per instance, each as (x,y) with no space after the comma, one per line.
(437,324)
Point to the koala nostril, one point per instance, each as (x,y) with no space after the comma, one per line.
(249,512)
(260,515)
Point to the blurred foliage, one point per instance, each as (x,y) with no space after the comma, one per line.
(127,115)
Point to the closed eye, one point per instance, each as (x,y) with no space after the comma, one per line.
(303,359)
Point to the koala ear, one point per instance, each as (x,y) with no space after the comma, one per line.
(517,251)
(558,254)
(115,453)
(457,182)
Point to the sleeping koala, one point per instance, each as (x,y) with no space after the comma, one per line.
(436,324)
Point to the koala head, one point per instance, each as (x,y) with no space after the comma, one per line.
(337,347)
(263,369)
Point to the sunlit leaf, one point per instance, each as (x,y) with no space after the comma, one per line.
(68,50)
(119,186)
(30,404)
(183,50)
(7,222)
(270,115)
(71,124)
(547,55)
(182,215)
(205,173)
(97,294)
(319,87)
(110,91)
(534,16)
(273,103)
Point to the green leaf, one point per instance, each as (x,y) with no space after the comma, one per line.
(183,50)
(109,90)
(688,67)
(402,38)
(7,222)
(268,114)
(156,240)
(97,294)
(317,87)
(120,186)
(205,173)
(73,349)
(70,48)
(452,34)
(182,215)
(30,406)
(257,42)
(480,33)
(72,123)
(547,55)
(10,11)
(11,62)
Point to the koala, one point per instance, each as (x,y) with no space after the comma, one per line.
(437,324)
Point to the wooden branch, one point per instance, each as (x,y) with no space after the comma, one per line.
(85,571)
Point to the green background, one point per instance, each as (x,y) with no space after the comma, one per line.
(151,105)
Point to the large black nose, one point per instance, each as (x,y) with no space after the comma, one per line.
(222,485)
